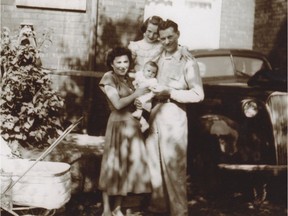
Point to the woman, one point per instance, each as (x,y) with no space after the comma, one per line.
(124,168)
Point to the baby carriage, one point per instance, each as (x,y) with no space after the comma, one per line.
(35,187)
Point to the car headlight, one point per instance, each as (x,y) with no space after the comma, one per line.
(250,108)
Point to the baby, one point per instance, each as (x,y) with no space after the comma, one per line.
(143,79)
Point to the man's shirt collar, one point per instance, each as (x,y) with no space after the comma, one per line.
(177,55)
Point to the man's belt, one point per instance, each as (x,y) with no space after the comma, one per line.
(167,100)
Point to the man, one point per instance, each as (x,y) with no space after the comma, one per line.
(167,139)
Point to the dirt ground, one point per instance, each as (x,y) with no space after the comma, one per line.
(90,205)
(201,203)
(203,200)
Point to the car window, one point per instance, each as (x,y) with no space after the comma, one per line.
(214,66)
(247,65)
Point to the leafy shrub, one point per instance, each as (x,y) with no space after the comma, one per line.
(30,110)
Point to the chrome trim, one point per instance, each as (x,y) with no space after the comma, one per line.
(277,106)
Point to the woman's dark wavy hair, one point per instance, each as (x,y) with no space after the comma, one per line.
(155,20)
(115,52)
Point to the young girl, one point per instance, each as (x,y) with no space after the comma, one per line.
(149,48)
(124,167)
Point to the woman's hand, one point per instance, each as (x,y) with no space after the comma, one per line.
(131,74)
(141,91)
(138,104)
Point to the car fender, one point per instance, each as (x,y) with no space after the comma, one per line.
(223,129)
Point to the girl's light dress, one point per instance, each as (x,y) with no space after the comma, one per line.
(124,166)
(143,52)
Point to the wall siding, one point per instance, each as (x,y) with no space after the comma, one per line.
(237,20)
(118,23)
(270,30)
(70,32)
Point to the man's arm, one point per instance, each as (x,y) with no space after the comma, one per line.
(195,92)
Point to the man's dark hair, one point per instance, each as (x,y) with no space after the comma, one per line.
(155,20)
(117,51)
(167,24)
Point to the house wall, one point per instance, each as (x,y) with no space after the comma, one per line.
(237,21)
(118,23)
(80,39)
(70,32)
(198,21)
(270,30)
(209,23)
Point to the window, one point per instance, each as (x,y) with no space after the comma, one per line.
(79,5)
(215,66)
(247,65)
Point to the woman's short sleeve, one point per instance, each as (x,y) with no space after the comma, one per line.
(107,79)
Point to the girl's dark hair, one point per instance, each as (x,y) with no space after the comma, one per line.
(115,52)
(167,24)
(155,20)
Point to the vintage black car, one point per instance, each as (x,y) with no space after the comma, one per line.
(242,123)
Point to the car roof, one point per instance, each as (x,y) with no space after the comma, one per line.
(220,52)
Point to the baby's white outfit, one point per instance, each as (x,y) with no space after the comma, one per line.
(142,82)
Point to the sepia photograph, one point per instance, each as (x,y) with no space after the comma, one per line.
(143,108)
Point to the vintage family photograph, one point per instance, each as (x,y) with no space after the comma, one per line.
(143,108)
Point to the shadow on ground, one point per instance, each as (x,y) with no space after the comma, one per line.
(200,204)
